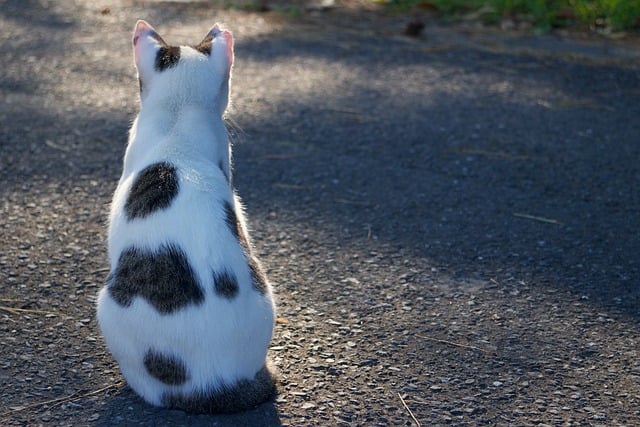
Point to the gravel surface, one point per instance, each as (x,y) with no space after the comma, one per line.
(450,222)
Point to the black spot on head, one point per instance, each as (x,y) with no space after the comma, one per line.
(204,46)
(164,279)
(168,369)
(245,394)
(167,57)
(154,188)
(225,284)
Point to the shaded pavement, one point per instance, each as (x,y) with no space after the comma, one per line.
(450,223)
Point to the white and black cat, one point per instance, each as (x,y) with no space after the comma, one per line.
(187,311)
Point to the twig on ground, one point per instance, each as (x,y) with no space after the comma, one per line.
(351,202)
(290,186)
(352,114)
(472,347)
(498,154)
(537,218)
(413,417)
(14,310)
(61,400)
(281,156)
(53,145)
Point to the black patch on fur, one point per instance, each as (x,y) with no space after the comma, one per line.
(258,278)
(204,46)
(232,219)
(163,278)
(225,284)
(246,394)
(167,57)
(234,225)
(168,369)
(154,189)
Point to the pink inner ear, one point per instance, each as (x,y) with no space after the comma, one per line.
(229,39)
(142,29)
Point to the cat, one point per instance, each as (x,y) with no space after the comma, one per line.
(186,311)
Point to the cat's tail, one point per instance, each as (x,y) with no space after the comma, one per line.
(241,396)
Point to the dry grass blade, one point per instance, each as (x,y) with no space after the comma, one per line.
(61,400)
(495,154)
(353,115)
(14,310)
(471,347)
(413,417)
(290,186)
(281,156)
(55,146)
(352,202)
(537,218)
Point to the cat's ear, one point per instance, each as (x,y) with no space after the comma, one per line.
(221,57)
(146,43)
(218,44)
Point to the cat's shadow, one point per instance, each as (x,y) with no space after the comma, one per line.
(125,408)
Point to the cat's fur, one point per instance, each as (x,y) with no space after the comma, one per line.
(187,311)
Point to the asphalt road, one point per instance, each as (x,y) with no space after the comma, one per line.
(450,222)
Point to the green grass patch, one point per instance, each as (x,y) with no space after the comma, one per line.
(615,15)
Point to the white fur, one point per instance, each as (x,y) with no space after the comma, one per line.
(221,340)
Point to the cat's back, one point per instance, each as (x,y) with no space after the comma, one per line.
(187,311)
(183,280)
(171,197)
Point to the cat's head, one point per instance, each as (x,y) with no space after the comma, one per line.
(174,75)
